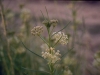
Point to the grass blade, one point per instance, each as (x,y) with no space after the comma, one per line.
(42,14)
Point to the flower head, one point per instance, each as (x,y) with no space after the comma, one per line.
(53,22)
(46,23)
(49,23)
(51,55)
(37,30)
(63,39)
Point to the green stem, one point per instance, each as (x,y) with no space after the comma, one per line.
(51,30)
(44,40)
(51,66)
(48,29)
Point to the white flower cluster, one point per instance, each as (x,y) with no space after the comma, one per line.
(53,22)
(63,39)
(96,62)
(37,30)
(49,23)
(51,55)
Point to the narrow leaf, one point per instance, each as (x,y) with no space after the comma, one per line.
(44,40)
(47,12)
(31,51)
(66,52)
(64,55)
(62,28)
(42,14)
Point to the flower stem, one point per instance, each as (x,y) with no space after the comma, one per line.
(51,66)
(49,39)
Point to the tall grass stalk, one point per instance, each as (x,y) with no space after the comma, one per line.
(7,42)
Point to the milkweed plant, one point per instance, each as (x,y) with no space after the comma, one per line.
(49,51)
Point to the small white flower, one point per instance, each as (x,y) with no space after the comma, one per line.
(37,30)
(63,39)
